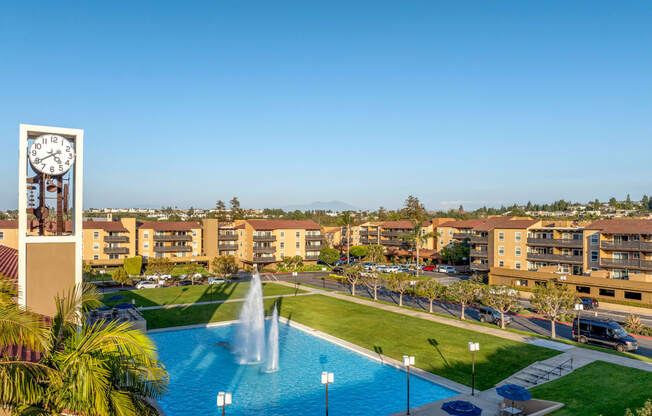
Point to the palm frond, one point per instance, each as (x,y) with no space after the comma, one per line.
(18,327)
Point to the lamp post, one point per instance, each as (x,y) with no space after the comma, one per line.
(408,360)
(578,307)
(326,379)
(223,400)
(473,347)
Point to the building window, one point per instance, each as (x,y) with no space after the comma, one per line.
(583,289)
(501,250)
(96,257)
(594,255)
(194,233)
(517,265)
(96,234)
(501,236)
(194,244)
(450,232)
(607,292)
(282,234)
(282,245)
(633,295)
(501,263)
(298,234)
(521,282)
(145,244)
(298,244)
(298,253)
(282,254)
(2,235)
(96,246)
(517,251)
(595,239)
(441,242)
(145,234)
(517,236)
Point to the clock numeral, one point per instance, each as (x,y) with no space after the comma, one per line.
(42,166)
(37,160)
(54,139)
(68,162)
(60,168)
(37,146)
(45,140)
(67,149)
(34,153)
(51,169)
(69,155)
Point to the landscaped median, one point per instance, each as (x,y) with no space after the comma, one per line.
(440,349)
(190,294)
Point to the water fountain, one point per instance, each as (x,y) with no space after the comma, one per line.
(250,332)
(272,344)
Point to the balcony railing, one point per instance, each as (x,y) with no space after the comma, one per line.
(626,245)
(396,233)
(479,240)
(172,249)
(269,237)
(366,241)
(171,237)
(627,263)
(227,237)
(264,249)
(462,236)
(558,258)
(313,237)
(264,259)
(313,247)
(116,250)
(227,246)
(480,267)
(555,242)
(392,242)
(480,253)
(312,258)
(116,239)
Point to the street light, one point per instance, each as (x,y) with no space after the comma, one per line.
(408,360)
(473,347)
(223,400)
(578,307)
(326,379)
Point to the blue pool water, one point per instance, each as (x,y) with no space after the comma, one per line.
(200,365)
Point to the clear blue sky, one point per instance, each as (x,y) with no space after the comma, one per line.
(478,102)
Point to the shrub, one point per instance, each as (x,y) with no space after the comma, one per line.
(133,265)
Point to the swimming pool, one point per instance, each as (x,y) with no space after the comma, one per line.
(200,365)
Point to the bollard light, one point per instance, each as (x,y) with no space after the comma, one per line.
(473,347)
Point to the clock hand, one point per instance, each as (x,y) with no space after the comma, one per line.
(51,154)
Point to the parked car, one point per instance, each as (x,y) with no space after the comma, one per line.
(492,316)
(185,283)
(429,268)
(446,269)
(338,269)
(589,303)
(146,284)
(605,332)
(215,281)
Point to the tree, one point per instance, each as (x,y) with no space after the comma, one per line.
(455,253)
(399,283)
(552,300)
(500,298)
(121,276)
(359,251)
(133,265)
(375,253)
(418,237)
(413,208)
(102,368)
(220,207)
(224,266)
(329,255)
(159,266)
(463,292)
(236,211)
(646,410)
(431,289)
(347,220)
(353,275)
(373,282)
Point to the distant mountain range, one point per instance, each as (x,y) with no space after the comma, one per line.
(321,206)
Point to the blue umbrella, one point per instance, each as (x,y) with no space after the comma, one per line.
(461,408)
(114,298)
(514,392)
(124,306)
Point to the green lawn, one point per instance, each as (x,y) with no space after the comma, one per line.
(599,388)
(190,294)
(438,348)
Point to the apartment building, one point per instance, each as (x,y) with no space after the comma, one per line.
(269,241)
(109,242)
(9,233)
(172,240)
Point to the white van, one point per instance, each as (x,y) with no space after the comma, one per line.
(446,269)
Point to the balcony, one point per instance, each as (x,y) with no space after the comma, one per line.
(311,258)
(626,263)
(116,250)
(555,242)
(479,240)
(480,253)
(626,245)
(172,249)
(392,242)
(314,247)
(264,259)
(557,258)
(116,239)
(462,236)
(173,237)
(265,238)
(367,241)
(480,267)
(394,233)
(313,237)
(227,246)
(227,237)
(264,249)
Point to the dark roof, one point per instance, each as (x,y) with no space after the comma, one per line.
(622,226)
(169,225)
(111,226)
(284,224)
(401,224)
(9,263)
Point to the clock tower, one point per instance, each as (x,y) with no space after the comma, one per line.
(50,173)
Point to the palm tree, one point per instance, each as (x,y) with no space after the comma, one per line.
(103,368)
(417,237)
(347,220)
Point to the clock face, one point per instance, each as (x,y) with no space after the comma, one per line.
(51,154)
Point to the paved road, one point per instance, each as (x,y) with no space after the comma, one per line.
(537,326)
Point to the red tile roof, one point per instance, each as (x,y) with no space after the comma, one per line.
(8,224)
(9,263)
(463,224)
(501,222)
(110,226)
(284,225)
(622,226)
(401,224)
(169,225)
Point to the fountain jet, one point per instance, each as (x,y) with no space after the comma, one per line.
(272,344)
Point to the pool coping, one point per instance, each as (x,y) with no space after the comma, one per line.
(383,359)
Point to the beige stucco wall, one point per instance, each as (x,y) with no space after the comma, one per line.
(50,271)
